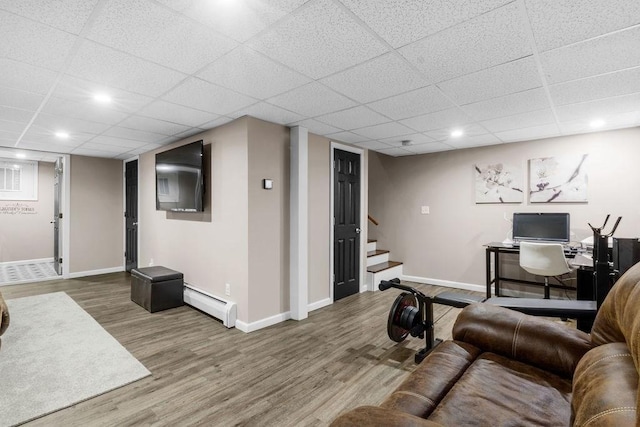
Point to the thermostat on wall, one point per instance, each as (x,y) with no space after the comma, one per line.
(267,184)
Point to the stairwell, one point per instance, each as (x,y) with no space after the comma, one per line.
(379,267)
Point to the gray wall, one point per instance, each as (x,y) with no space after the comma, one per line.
(448,243)
(96,217)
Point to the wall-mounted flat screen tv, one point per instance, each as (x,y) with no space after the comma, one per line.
(551,227)
(180,179)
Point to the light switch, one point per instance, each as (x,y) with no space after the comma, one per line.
(425,210)
(267,184)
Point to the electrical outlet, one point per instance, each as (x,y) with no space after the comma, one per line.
(227,289)
(425,210)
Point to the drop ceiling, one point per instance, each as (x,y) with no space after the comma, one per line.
(371,73)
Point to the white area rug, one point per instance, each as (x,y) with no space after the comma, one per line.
(54,355)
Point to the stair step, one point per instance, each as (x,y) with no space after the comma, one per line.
(371,240)
(382,266)
(377,252)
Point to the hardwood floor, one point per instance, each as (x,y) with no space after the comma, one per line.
(292,374)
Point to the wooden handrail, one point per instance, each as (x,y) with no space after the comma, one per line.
(373,220)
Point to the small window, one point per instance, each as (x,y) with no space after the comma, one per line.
(10,178)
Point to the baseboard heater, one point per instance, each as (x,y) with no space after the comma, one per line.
(214,306)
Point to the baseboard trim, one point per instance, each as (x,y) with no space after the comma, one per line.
(77,274)
(447,283)
(263,323)
(27,261)
(319,304)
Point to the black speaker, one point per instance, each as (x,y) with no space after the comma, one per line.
(626,253)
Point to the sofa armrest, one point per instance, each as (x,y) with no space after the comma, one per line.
(533,340)
(376,416)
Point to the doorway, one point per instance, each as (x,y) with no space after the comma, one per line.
(346,229)
(131,214)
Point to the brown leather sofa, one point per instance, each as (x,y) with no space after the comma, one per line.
(4,317)
(504,368)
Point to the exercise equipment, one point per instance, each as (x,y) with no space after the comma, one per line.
(412,311)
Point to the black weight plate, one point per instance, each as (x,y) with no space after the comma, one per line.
(399,309)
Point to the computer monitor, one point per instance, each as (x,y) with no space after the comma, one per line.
(550,227)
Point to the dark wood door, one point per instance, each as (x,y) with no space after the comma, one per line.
(57,197)
(346,244)
(131,214)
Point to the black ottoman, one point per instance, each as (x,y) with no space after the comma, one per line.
(156,288)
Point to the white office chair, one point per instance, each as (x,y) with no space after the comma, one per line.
(543,259)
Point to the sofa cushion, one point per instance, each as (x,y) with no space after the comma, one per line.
(497,391)
(420,393)
(604,387)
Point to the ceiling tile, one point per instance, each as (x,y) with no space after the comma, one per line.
(411,104)
(216,122)
(103,147)
(316,127)
(603,86)
(522,120)
(118,142)
(473,141)
(15,128)
(20,99)
(444,134)
(347,137)
(268,112)
(515,76)
(321,39)
(186,134)
(43,134)
(385,130)
(67,15)
(34,43)
(613,121)
(109,67)
(312,100)
(80,90)
(437,120)
(177,5)
(395,152)
(92,153)
(403,21)
(493,38)
(83,110)
(240,20)
(557,23)
(43,146)
(414,138)
(433,147)
(527,134)
(153,125)
(246,71)
(378,78)
(52,124)
(136,135)
(196,93)
(15,114)
(373,145)
(21,76)
(521,102)
(599,108)
(604,54)
(147,30)
(353,118)
(163,110)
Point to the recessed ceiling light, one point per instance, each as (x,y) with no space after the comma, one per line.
(457,133)
(21,155)
(598,123)
(62,135)
(102,98)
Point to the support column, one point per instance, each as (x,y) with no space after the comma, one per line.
(299,224)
